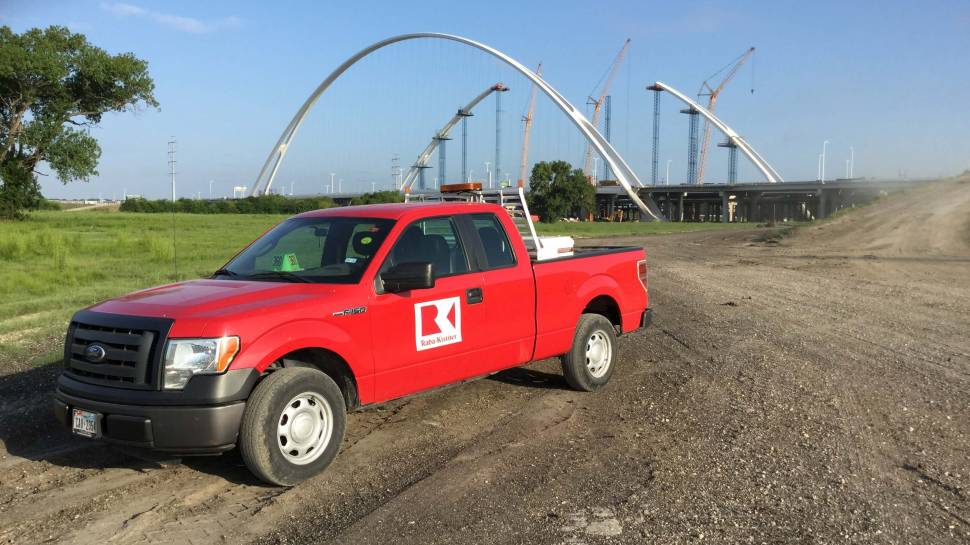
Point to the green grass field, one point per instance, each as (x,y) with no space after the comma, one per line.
(57,262)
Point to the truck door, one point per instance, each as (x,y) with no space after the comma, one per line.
(509,293)
(427,338)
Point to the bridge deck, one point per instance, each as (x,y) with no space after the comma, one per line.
(787,201)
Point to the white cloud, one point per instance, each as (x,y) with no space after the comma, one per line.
(175,22)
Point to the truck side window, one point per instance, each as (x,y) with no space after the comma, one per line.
(432,240)
(498,250)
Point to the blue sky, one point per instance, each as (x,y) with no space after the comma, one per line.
(891,79)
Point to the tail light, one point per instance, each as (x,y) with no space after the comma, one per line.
(642,271)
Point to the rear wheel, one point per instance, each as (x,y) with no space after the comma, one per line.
(589,363)
(293,425)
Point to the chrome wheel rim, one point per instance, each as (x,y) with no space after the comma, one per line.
(304,428)
(599,353)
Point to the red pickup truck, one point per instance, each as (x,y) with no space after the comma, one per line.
(335,310)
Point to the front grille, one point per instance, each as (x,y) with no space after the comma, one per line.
(131,349)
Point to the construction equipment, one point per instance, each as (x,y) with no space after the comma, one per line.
(598,103)
(711,93)
(527,131)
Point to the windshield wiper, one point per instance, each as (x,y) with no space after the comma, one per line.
(282,275)
(225,272)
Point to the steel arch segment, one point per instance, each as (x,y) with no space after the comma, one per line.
(427,151)
(623,172)
(766,169)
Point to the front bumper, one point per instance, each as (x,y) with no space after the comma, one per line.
(163,421)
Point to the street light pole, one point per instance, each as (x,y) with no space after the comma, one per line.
(667,177)
(332,174)
(210,189)
(851,162)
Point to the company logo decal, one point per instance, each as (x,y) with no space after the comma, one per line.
(437,323)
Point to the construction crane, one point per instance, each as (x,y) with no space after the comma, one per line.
(598,104)
(711,94)
(527,119)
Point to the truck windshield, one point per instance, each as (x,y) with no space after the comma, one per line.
(321,250)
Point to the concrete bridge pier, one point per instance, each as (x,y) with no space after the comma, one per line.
(725,207)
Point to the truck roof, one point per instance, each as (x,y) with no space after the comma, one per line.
(398,211)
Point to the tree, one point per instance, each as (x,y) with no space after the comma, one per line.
(379,197)
(557,190)
(53,86)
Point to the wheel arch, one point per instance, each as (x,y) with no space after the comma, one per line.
(331,364)
(606,306)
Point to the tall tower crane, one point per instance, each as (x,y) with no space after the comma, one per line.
(711,94)
(598,103)
(527,119)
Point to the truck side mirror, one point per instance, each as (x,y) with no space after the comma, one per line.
(408,276)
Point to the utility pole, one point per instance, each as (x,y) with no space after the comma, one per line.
(171,164)
(488,172)
(851,162)
(396,170)
(332,174)
(210,189)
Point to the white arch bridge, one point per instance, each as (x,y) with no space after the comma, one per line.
(625,176)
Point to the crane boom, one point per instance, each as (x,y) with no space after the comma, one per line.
(524,165)
(711,93)
(598,103)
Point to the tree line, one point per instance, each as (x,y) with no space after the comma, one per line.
(264,204)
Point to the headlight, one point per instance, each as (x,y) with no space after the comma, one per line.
(185,358)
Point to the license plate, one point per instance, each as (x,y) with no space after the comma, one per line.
(86,423)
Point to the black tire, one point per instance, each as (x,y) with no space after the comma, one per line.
(591,328)
(259,435)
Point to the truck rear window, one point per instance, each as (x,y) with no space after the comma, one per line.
(321,250)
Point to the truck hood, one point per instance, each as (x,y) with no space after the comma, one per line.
(201,299)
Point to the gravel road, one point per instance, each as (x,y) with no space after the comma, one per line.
(812,389)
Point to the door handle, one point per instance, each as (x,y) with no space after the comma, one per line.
(473,296)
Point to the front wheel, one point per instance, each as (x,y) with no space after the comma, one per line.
(589,363)
(293,425)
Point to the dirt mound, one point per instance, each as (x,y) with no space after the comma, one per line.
(931,219)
